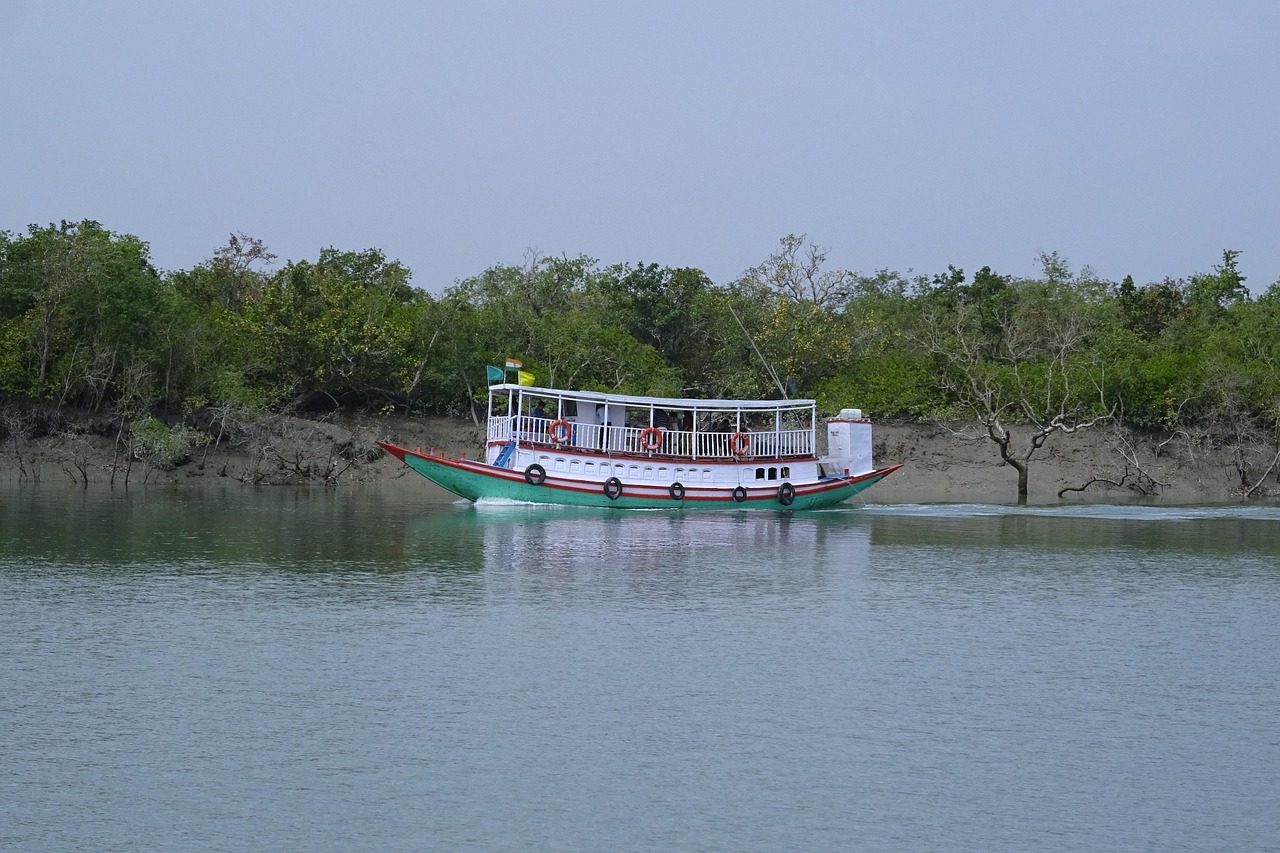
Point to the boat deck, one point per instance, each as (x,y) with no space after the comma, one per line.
(651,442)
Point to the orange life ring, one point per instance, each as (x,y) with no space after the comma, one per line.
(651,438)
(559,431)
(739,443)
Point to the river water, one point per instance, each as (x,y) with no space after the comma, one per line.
(384,670)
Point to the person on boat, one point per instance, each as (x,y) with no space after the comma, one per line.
(602,420)
(539,415)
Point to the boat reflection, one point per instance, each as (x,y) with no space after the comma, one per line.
(557,550)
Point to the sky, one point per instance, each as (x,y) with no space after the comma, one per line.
(1138,138)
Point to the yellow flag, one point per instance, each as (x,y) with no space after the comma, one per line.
(524,377)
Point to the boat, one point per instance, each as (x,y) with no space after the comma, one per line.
(594,449)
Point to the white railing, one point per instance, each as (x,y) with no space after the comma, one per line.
(499,428)
(679,443)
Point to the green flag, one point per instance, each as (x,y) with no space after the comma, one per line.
(495,373)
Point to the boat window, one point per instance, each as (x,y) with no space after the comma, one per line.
(589,468)
(773,473)
(786,473)
(560,464)
(706,475)
(663,473)
(574,466)
(635,472)
(648,473)
(759,473)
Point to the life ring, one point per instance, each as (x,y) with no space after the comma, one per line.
(786,494)
(535,474)
(559,431)
(739,443)
(613,488)
(739,494)
(676,491)
(651,438)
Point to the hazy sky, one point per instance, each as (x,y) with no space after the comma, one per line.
(1139,138)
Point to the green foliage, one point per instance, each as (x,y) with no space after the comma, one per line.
(900,382)
(79,308)
(163,446)
(339,328)
(1222,286)
(1149,310)
(86,320)
(662,307)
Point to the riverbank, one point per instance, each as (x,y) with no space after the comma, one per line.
(941,462)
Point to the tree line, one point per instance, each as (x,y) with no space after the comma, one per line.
(88,323)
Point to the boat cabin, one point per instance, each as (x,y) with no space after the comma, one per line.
(587,422)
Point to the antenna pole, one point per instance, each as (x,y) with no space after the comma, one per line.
(769,368)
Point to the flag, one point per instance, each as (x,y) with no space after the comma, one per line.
(524,378)
(495,373)
(512,364)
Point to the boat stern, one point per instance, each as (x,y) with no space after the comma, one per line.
(848,445)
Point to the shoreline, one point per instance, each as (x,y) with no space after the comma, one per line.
(941,463)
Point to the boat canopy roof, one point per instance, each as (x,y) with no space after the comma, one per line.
(701,405)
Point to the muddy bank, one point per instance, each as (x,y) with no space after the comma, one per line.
(942,463)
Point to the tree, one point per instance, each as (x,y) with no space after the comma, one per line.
(785,317)
(1018,354)
(1149,310)
(887,373)
(78,306)
(556,315)
(231,279)
(1222,286)
(339,328)
(797,271)
(663,307)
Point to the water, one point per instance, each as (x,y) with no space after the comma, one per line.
(248,670)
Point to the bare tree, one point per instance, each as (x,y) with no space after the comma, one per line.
(1134,474)
(796,270)
(15,424)
(1014,354)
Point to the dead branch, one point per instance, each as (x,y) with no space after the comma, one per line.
(1252,491)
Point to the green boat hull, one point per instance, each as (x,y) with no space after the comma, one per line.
(477,480)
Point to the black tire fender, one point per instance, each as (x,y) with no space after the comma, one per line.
(535,474)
